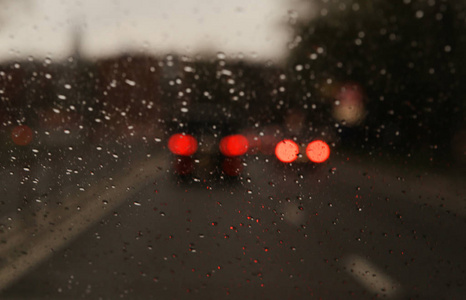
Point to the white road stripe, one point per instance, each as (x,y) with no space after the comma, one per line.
(34,248)
(371,277)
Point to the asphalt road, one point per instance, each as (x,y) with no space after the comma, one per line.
(348,229)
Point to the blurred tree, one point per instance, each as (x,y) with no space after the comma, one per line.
(406,54)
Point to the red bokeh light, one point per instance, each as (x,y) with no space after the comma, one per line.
(318,151)
(287,151)
(182,144)
(234,145)
(21,135)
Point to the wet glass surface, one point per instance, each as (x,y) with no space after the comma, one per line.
(268,150)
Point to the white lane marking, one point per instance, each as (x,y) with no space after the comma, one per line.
(36,247)
(371,277)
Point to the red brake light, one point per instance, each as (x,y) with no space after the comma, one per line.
(287,151)
(234,145)
(182,144)
(318,151)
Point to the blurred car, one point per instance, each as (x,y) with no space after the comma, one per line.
(298,141)
(205,143)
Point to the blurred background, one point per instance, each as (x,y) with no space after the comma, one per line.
(384,76)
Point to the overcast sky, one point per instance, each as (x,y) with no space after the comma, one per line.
(257,29)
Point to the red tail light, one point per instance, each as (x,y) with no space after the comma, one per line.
(182,144)
(318,151)
(234,145)
(287,151)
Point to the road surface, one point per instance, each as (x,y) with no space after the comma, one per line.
(347,229)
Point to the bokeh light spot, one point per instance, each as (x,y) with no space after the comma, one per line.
(318,151)
(182,144)
(234,145)
(287,151)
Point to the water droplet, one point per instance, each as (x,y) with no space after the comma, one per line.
(130,82)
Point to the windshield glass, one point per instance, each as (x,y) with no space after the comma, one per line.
(261,150)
